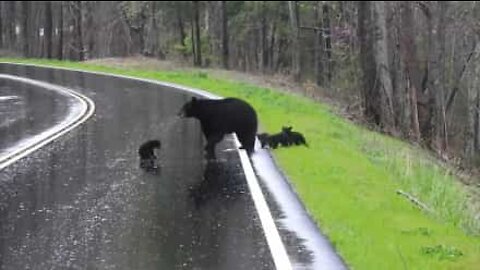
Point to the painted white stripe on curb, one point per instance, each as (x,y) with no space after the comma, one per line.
(279,253)
(45,137)
(276,246)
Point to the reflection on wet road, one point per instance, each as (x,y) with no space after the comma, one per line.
(20,118)
(83,202)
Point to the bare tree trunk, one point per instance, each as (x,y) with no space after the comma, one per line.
(91,30)
(77,50)
(319,48)
(152,39)
(225,49)
(197,61)
(436,78)
(263,37)
(49,28)
(181,28)
(11,23)
(254,40)
(370,98)
(384,82)
(194,46)
(328,41)
(412,70)
(295,39)
(477,112)
(79,31)
(271,47)
(60,33)
(401,100)
(471,128)
(25,26)
(1,24)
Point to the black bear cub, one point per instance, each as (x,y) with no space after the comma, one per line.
(223,116)
(264,139)
(294,137)
(147,154)
(274,140)
(285,138)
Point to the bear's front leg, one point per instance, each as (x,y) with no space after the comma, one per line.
(212,141)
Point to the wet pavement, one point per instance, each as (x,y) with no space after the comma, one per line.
(20,118)
(82,202)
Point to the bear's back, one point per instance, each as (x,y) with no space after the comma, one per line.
(227,115)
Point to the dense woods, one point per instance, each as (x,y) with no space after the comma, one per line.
(411,68)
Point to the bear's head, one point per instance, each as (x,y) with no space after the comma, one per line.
(156,144)
(189,109)
(286,129)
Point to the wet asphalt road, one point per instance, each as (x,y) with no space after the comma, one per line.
(82,202)
(20,115)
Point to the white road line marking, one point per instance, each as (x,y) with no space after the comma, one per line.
(275,244)
(277,249)
(6,98)
(45,137)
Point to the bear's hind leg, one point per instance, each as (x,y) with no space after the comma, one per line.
(248,142)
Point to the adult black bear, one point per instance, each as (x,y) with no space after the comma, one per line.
(223,116)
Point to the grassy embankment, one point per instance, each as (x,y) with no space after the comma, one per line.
(348,179)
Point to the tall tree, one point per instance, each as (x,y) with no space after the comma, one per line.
(384,83)
(436,73)
(1,24)
(60,32)
(370,99)
(91,29)
(328,41)
(136,17)
(471,142)
(180,24)
(48,28)
(26,28)
(11,11)
(78,36)
(412,69)
(295,39)
(318,47)
(225,49)
(197,44)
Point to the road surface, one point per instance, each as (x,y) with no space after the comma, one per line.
(82,202)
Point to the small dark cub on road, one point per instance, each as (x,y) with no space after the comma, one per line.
(147,154)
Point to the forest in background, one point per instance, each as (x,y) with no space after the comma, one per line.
(411,68)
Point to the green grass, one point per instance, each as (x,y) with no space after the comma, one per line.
(348,179)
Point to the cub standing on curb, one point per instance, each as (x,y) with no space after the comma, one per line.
(222,116)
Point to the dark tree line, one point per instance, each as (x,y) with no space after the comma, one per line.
(411,67)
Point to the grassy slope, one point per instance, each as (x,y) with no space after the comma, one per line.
(348,180)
